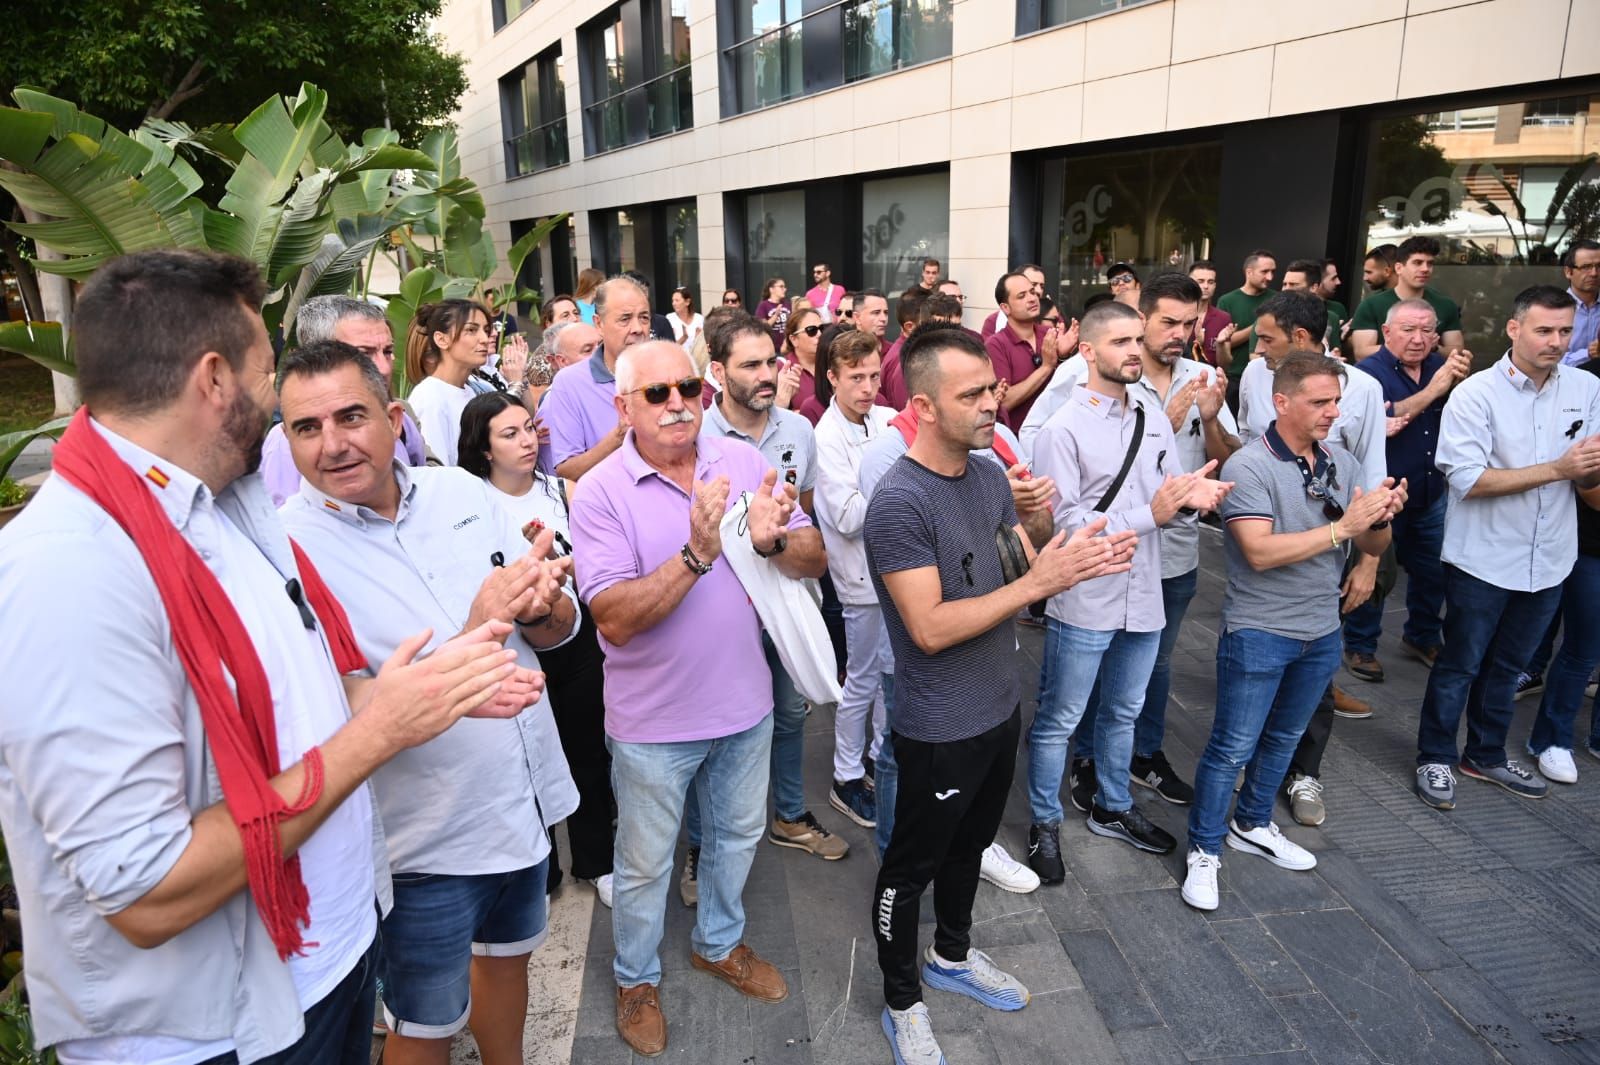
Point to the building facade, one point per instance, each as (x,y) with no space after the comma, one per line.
(720,143)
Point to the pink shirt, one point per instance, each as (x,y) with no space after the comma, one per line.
(820,296)
(1015,361)
(700,673)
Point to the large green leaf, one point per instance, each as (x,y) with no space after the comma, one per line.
(23,134)
(43,342)
(13,444)
(280,140)
(519,251)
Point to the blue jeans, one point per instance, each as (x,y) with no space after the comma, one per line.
(1580,653)
(1540,662)
(338,1028)
(887,774)
(730,781)
(788,747)
(1151,728)
(1077,656)
(1418,539)
(1267,688)
(1489,635)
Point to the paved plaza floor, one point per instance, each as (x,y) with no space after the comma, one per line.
(1421,937)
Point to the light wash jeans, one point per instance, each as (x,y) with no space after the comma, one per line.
(730,781)
(1122,661)
(868,641)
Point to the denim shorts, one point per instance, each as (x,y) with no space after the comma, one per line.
(438,923)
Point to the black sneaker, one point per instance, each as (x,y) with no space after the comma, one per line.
(1044,853)
(1529,684)
(869,772)
(1082,781)
(1130,826)
(1157,774)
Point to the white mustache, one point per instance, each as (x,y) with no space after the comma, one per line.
(670,418)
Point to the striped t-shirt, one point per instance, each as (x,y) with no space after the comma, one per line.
(919,518)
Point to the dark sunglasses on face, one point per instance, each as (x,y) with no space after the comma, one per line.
(847,314)
(809,330)
(655,395)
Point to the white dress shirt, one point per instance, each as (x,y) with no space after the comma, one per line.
(841,505)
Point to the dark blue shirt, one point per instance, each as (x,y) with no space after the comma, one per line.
(1411,450)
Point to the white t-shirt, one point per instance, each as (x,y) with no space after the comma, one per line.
(685,334)
(540,503)
(438,406)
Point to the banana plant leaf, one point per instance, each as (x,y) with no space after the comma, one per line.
(43,342)
(13,444)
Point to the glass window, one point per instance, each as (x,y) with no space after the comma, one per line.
(775,242)
(622,113)
(1060,12)
(767,60)
(682,238)
(537,135)
(904,220)
(885,35)
(1155,209)
(1503,189)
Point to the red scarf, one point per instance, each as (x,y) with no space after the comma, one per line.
(906,422)
(241,732)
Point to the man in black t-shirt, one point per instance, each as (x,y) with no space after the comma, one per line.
(932,552)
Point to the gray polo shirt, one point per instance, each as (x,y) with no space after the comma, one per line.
(1499,419)
(1082,447)
(1298,601)
(787,442)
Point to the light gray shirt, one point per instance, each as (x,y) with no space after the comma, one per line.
(104,765)
(1299,601)
(1180,538)
(1361,428)
(788,442)
(1499,419)
(1082,447)
(479,797)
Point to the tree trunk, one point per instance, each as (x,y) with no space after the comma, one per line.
(55,292)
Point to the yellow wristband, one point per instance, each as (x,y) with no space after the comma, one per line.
(1333,535)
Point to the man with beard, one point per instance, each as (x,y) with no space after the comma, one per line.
(1025,351)
(208,884)
(1377,269)
(1192,398)
(580,407)
(1111,451)
(1413,269)
(746,371)
(647,526)
(931,549)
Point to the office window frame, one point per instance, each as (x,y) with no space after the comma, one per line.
(640,88)
(523,137)
(1032,14)
(501,15)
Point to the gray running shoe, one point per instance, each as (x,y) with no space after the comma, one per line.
(1436,785)
(1511,776)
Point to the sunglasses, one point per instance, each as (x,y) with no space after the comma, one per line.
(732,302)
(655,395)
(1121,279)
(847,314)
(1318,491)
(809,330)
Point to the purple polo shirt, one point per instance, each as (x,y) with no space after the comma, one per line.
(1014,361)
(579,407)
(701,673)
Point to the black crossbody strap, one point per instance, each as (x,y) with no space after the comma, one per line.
(1127,462)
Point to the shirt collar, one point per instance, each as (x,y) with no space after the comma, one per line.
(1283,453)
(355,513)
(1519,380)
(1104,406)
(597,367)
(708,450)
(722,427)
(176,489)
(1582,305)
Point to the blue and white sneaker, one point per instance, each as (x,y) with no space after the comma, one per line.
(976,978)
(911,1036)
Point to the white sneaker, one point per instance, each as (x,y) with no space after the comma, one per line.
(1556,764)
(1200,886)
(911,1036)
(602,888)
(1270,843)
(1005,872)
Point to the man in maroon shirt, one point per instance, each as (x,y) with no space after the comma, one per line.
(1025,351)
(997,320)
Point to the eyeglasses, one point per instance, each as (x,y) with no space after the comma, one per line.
(655,395)
(809,330)
(818,273)
(847,314)
(1120,280)
(1585,268)
(736,301)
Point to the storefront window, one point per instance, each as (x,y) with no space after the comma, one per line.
(775,243)
(682,239)
(1155,209)
(904,220)
(1503,189)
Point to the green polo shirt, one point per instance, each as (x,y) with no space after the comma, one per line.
(1372,310)
(1241,307)
(1338,314)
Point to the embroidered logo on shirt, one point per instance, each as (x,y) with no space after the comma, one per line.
(331,505)
(158,476)
(464,522)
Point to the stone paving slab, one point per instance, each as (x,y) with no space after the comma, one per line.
(1464,937)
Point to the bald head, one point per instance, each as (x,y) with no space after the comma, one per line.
(652,362)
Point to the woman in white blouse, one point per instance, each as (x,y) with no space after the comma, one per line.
(455,341)
(686,322)
(500,442)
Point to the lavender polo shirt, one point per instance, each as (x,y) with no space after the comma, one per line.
(578,408)
(627,520)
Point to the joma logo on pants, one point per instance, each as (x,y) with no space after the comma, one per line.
(886,915)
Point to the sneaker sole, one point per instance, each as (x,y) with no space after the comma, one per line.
(1527,692)
(1244,846)
(1196,904)
(1412,653)
(1127,837)
(1434,801)
(940,982)
(1079,807)
(1349,716)
(1362,674)
(844,808)
(1147,786)
(888,1033)
(1307,822)
(1513,789)
(797,845)
(1015,889)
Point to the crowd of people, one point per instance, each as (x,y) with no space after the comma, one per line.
(343,677)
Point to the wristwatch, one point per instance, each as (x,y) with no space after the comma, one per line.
(778,545)
(690,559)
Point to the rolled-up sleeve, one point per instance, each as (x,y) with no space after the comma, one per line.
(1464,440)
(91,719)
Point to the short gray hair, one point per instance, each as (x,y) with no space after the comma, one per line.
(319,316)
(626,370)
(1411,305)
(552,335)
(602,293)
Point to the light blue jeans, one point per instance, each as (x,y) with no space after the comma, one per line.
(1122,661)
(730,781)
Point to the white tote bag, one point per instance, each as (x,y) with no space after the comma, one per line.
(790,610)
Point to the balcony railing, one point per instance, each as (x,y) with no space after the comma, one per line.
(668,108)
(541,148)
